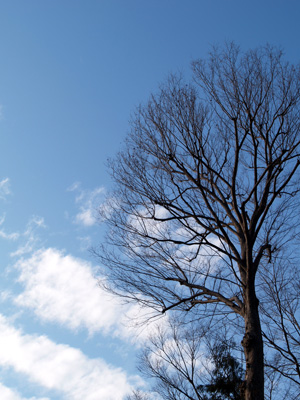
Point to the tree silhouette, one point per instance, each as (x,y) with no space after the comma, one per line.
(207,191)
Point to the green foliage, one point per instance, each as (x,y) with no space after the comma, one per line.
(226,376)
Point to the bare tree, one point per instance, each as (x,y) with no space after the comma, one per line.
(196,362)
(191,363)
(206,192)
(281,322)
(138,395)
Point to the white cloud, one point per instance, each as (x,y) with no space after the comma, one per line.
(62,289)
(143,222)
(4,188)
(10,394)
(88,202)
(59,367)
(86,217)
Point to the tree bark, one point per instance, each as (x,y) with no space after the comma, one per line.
(253,388)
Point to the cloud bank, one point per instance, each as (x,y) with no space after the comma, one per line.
(58,367)
(62,289)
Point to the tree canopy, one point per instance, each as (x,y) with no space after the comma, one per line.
(207,194)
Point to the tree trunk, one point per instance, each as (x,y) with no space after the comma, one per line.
(253,388)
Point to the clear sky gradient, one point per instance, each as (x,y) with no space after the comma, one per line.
(71,73)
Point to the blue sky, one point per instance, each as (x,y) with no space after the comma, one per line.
(71,73)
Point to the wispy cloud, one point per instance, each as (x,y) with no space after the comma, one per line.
(4,234)
(4,188)
(86,217)
(30,237)
(85,242)
(59,367)
(88,202)
(9,236)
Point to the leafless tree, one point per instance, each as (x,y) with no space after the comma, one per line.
(191,363)
(281,322)
(196,362)
(206,193)
(138,395)
(174,358)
